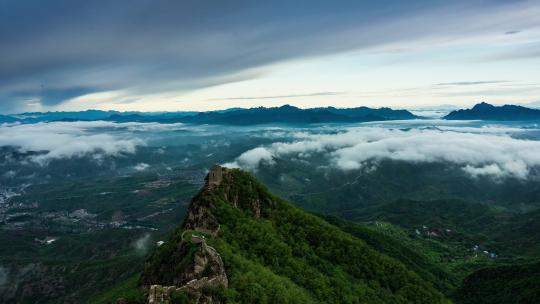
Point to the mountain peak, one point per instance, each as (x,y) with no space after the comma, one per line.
(288,107)
(233,186)
(483,105)
(486,111)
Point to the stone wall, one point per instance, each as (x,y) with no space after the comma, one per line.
(207,271)
(215,176)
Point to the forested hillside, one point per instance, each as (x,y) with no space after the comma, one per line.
(241,244)
(273,252)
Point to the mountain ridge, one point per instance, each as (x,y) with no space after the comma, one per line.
(233,116)
(486,111)
(273,251)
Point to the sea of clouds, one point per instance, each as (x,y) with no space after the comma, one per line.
(58,140)
(480,150)
(486,151)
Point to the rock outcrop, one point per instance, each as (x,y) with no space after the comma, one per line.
(202,268)
(193,266)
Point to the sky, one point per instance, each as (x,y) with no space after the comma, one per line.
(156,55)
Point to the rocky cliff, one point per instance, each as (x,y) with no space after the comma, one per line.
(194,266)
(203,270)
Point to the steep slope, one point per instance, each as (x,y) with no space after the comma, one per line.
(241,244)
(414,256)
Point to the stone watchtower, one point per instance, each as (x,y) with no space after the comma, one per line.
(215,175)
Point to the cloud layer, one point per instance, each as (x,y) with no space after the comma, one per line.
(58,50)
(59,140)
(485,152)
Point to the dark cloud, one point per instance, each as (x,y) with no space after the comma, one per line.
(145,46)
(512,32)
(50,96)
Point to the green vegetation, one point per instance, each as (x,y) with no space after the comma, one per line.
(449,258)
(334,191)
(502,285)
(92,250)
(290,256)
(365,248)
(105,217)
(127,290)
(392,241)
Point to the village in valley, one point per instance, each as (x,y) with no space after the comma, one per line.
(34,214)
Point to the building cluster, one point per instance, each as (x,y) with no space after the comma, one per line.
(481,250)
(433,232)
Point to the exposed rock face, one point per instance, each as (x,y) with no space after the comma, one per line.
(204,269)
(207,267)
(197,265)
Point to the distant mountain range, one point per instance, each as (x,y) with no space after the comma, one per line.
(486,111)
(235,116)
(8,119)
(283,114)
(90,115)
(290,114)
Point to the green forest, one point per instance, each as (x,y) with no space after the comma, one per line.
(274,252)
